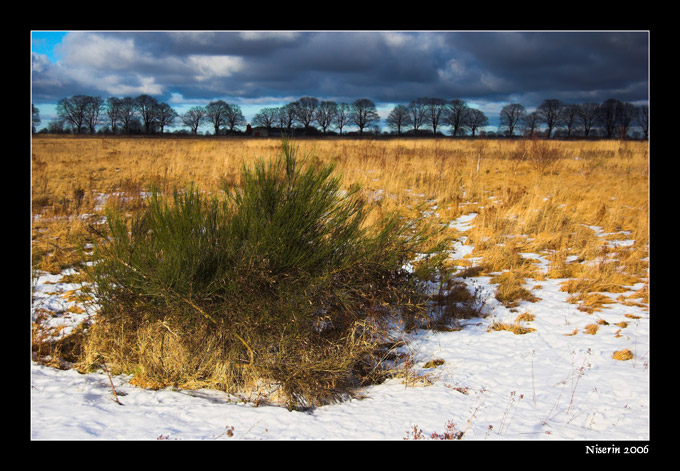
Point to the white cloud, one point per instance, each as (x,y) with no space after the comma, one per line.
(39,62)
(394,39)
(145,86)
(119,85)
(94,50)
(178,99)
(214,66)
(454,69)
(262,35)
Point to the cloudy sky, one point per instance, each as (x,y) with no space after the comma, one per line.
(257,68)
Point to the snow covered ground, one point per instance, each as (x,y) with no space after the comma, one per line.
(554,383)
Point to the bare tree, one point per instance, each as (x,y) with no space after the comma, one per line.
(325,114)
(216,114)
(570,117)
(93,107)
(456,115)
(416,111)
(35,117)
(234,117)
(434,107)
(626,114)
(475,120)
(550,113)
(280,117)
(398,118)
(587,116)
(147,107)
(127,111)
(342,116)
(643,119)
(194,118)
(165,116)
(112,108)
(363,113)
(511,116)
(72,111)
(286,116)
(530,123)
(304,110)
(266,117)
(607,116)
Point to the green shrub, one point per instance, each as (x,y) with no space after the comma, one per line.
(279,282)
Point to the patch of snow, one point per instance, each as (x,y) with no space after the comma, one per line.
(463,223)
(544,385)
(554,383)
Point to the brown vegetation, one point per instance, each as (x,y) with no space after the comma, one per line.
(521,209)
(571,202)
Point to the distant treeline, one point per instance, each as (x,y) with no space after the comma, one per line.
(144,114)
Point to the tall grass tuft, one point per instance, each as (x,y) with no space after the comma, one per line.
(278,282)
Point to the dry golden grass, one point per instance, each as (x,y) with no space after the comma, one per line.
(570,202)
(623,355)
(515,327)
(591,329)
(523,205)
(510,290)
(526,317)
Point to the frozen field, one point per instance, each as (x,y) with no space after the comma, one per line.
(557,382)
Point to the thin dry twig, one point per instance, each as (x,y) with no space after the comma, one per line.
(113,388)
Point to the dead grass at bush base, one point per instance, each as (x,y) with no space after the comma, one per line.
(160,354)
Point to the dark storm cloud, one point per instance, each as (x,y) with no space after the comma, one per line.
(597,64)
(343,65)
(383,66)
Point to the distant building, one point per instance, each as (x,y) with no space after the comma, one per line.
(260,131)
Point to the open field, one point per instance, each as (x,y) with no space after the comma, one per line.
(554,233)
(524,203)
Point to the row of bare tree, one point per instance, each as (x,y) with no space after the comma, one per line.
(612,117)
(306,111)
(145,114)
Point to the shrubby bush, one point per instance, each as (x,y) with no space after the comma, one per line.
(279,283)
